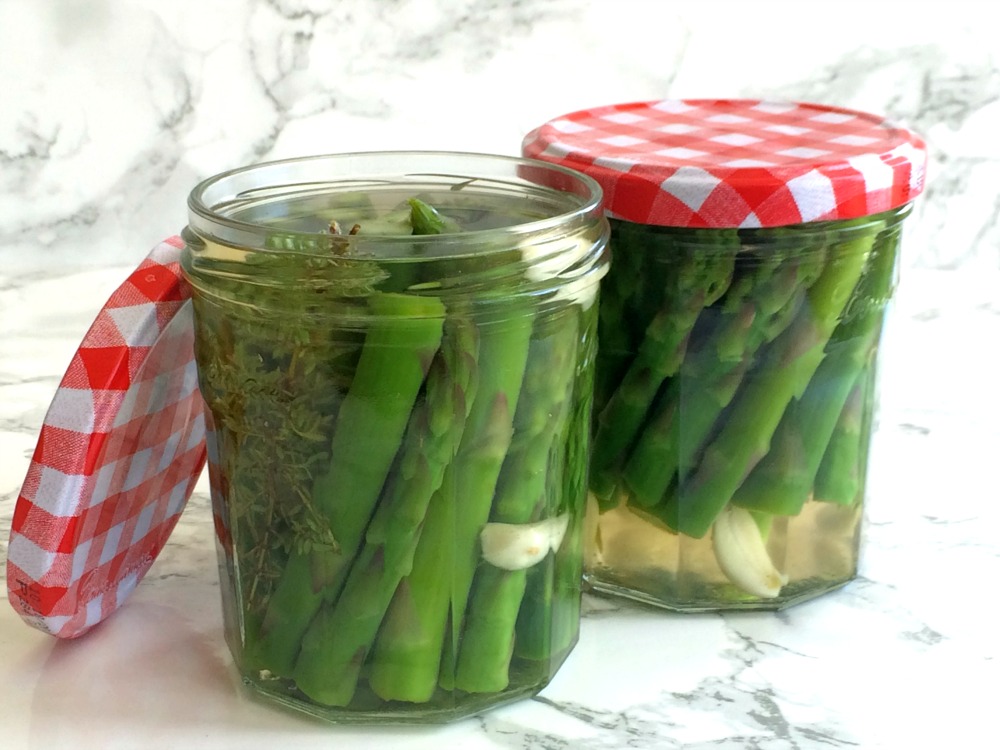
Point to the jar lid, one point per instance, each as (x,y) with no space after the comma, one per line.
(120,450)
(736,162)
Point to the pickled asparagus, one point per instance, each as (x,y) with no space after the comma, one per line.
(783,480)
(791,362)
(403,466)
(488,639)
(400,344)
(694,281)
(841,471)
(339,638)
(759,306)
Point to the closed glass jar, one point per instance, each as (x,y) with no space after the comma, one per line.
(736,392)
(755,253)
(397,353)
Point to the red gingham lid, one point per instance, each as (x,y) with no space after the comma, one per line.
(118,455)
(736,163)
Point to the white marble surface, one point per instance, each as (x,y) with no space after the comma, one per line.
(112,111)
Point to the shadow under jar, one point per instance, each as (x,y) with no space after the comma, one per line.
(397,354)
(755,253)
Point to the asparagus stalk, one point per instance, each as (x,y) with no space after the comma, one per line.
(840,475)
(522,496)
(695,279)
(311,577)
(624,293)
(400,344)
(548,622)
(782,481)
(340,636)
(292,603)
(759,305)
(549,619)
(791,362)
(274,387)
(408,651)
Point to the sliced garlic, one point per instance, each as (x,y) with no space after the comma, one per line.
(742,556)
(513,546)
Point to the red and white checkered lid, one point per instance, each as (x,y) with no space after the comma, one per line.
(736,163)
(118,455)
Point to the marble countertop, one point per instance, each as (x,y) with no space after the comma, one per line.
(905,656)
(114,111)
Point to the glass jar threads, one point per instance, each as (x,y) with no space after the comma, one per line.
(755,248)
(396,351)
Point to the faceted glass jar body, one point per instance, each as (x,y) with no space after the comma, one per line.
(734,400)
(399,407)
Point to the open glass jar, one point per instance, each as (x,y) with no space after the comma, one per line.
(756,247)
(396,352)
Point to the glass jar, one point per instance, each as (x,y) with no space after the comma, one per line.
(396,351)
(756,249)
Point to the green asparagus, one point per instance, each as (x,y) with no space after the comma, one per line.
(408,652)
(696,278)
(402,339)
(312,576)
(626,294)
(760,304)
(406,655)
(782,481)
(791,362)
(547,623)
(339,638)
(841,471)
(521,497)
(356,578)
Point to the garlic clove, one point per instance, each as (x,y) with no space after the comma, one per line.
(742,555)
(557,531)
(513,546)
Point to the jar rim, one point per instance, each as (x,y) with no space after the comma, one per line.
(370,169)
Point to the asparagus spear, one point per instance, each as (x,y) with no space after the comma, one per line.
(781,482)
(790,364)
(624,298)
(549,619)
(696,278)
(311,577)
(426,219)
(841,472)
(274,387)
(339,638)
(522,496)
(759,305)
(408,651)
(404,334)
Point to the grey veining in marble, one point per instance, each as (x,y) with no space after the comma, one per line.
(121,108)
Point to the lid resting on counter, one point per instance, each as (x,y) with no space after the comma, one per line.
(119,452)
(736,163)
